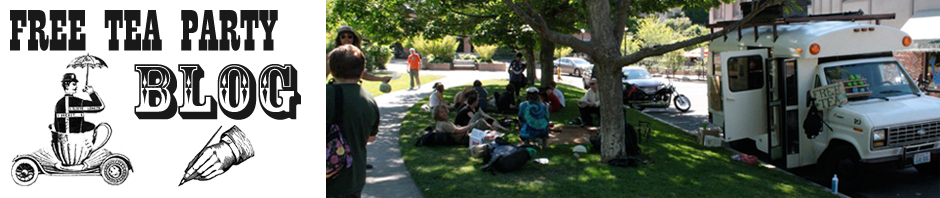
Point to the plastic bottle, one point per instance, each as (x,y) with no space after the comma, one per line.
(835,184)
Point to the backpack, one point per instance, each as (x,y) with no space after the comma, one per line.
(505,157)
(814,122)
(536,122)
(338,153)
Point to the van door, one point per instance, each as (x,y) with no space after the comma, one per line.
(744,94)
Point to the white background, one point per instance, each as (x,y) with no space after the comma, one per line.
(289,153)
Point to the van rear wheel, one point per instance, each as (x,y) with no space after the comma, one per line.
(845,162)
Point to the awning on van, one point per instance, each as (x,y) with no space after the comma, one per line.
(923,25)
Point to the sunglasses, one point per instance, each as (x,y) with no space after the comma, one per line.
(347,36)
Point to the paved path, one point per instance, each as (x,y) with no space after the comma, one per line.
(389,177)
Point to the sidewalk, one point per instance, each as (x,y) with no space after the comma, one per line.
(389,177)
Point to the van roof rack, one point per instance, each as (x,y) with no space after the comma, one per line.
(845,16)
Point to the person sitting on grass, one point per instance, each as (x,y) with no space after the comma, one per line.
(461,97)
(506,102)
(589,105)
(437,96)
(533,115)
(459,134)
(549,99)
(557,92)
(472,112)
(482,93)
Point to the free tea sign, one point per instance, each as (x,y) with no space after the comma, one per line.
(829,96)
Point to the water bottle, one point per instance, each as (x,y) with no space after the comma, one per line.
(835,184)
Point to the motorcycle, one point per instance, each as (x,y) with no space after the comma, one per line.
(662,96)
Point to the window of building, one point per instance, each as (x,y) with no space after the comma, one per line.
(719,13)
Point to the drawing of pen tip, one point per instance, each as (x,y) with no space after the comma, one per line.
(182,181)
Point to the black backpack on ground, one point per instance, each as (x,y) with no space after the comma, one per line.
(505,157)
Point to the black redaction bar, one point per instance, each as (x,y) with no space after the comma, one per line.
(143,30)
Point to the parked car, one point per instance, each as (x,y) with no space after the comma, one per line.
(586,77)
(573,66)
(633,75)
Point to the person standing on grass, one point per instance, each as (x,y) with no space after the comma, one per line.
(590,104)
(414,65)
(516,75)
(358,125)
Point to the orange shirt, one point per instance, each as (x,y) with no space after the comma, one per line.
(414,61)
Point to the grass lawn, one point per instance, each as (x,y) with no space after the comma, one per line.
(398,84)
(679,167)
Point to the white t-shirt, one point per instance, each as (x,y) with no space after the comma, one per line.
(434,99)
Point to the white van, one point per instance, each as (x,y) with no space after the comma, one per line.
(758,88)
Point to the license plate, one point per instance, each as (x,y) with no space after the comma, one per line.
(921,158)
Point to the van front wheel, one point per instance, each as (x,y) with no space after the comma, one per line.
(844,161)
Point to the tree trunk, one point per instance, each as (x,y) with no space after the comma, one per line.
(530,65)
(547,55)
(612,117)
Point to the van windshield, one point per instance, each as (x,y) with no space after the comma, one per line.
(871,80)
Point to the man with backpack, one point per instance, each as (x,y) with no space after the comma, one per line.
(352,121)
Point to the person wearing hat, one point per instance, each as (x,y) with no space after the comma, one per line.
(345,35)
(534,116)
(70,110)
(590,104)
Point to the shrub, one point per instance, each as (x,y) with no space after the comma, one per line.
(377,56)
(329,41)
(442,49)
(562,52)
(486,52)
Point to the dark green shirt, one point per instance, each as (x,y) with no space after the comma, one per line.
(360,120)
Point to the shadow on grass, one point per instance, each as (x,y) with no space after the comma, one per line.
(679,168)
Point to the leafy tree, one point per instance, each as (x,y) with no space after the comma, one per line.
(389,20)
(562,52)
(607,19)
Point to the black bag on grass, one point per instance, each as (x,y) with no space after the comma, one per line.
(433,138)
(505,158)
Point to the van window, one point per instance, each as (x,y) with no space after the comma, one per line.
(745,73)
(871,80)
(790,67)
(716,64)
